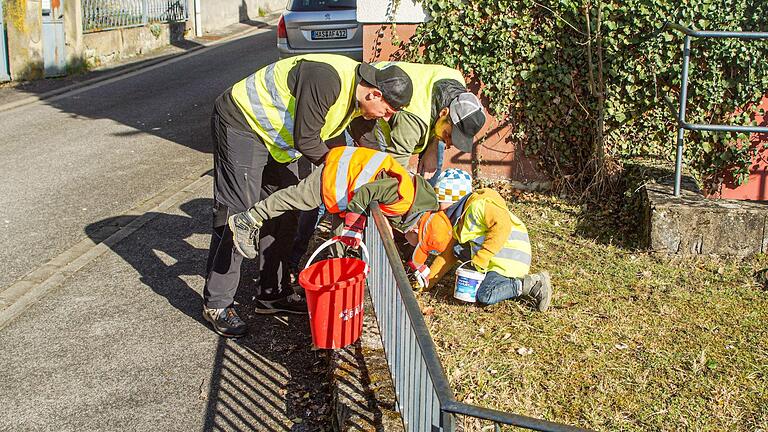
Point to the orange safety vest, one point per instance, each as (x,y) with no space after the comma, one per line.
(348,168)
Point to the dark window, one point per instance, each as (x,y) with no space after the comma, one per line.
(321,5)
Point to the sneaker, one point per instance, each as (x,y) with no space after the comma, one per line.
(245,233)
(539,286)
(291,304)
(225,321)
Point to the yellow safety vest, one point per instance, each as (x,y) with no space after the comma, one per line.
(424,78)
(514,259)
(269,107)
(348,168)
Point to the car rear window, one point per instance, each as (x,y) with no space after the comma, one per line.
(322,5)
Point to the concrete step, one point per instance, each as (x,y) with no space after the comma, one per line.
(694,225)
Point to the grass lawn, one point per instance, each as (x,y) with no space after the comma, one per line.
(633,341)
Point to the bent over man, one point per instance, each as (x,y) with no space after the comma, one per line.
(260,127)
(441,110)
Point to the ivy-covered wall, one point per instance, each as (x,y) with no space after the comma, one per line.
(498,156)
(579,80)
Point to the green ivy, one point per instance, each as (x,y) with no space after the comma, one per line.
(532,58)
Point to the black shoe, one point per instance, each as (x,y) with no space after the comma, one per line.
(225,322)
(245,233)
(291,304)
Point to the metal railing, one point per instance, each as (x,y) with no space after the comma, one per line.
(424,396)
(682,126)
(101,15)
(4,74)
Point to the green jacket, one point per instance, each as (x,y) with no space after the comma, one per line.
(385,190)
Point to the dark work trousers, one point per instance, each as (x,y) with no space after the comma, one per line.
(244,173)
(308,221)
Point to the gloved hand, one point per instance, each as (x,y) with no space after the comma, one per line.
(421,273)
(352,234)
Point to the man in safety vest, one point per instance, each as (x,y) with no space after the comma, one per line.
(440,114)
(350,180)
(260,127)
(484,232)
(441,110)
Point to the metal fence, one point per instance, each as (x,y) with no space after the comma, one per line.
(424,396)
(4,73)
(101,15)
(682,126)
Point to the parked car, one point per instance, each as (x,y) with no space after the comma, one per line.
(327,26)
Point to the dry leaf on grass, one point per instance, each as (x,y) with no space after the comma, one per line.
(524,351)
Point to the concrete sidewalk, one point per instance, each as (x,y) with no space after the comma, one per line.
(120,345)
(14,94)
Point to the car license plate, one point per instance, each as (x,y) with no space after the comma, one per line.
(329,34)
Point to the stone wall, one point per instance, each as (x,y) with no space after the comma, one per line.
(695,225)
(101,48)
(25,46)
(217,14)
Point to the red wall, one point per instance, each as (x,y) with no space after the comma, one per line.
(756,187)
(496,157)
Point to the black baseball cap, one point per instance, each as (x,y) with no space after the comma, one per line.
(395,85)
(468,117)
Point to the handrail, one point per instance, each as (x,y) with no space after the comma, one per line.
(715,34)
(398,330)
(682,125)
(4,72)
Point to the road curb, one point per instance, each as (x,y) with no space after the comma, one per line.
(130,69)
(16,298)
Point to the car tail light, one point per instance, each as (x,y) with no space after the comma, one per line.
(282,33)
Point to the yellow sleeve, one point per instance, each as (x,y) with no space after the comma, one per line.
(442,264)
(498,227)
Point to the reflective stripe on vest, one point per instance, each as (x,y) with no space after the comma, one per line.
(261,116)
(269,107)
(424,78)
(347,169)
(514,259)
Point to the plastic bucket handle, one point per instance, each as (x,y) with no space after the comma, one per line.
(332,241)
(467,262)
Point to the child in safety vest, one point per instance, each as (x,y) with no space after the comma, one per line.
(350,179)
(484,232)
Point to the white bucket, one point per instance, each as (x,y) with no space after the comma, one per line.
(467,283)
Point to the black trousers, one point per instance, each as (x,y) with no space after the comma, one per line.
(244,173)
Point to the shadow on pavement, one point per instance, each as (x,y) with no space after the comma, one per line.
(163,261)
(173,102)
(270,380)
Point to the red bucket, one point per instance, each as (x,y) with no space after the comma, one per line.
(335,293)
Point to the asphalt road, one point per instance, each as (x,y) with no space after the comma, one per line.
(120,344)
(74,161)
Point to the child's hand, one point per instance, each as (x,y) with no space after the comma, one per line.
(421,272)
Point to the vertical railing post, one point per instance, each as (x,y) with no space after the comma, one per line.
(4,75)
(144,11)
(681,115)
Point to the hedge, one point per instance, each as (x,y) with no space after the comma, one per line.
(581,81)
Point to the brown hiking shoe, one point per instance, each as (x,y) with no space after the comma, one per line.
(225,321)
(538,286)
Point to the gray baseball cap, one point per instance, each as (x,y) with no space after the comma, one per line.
(468,117)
